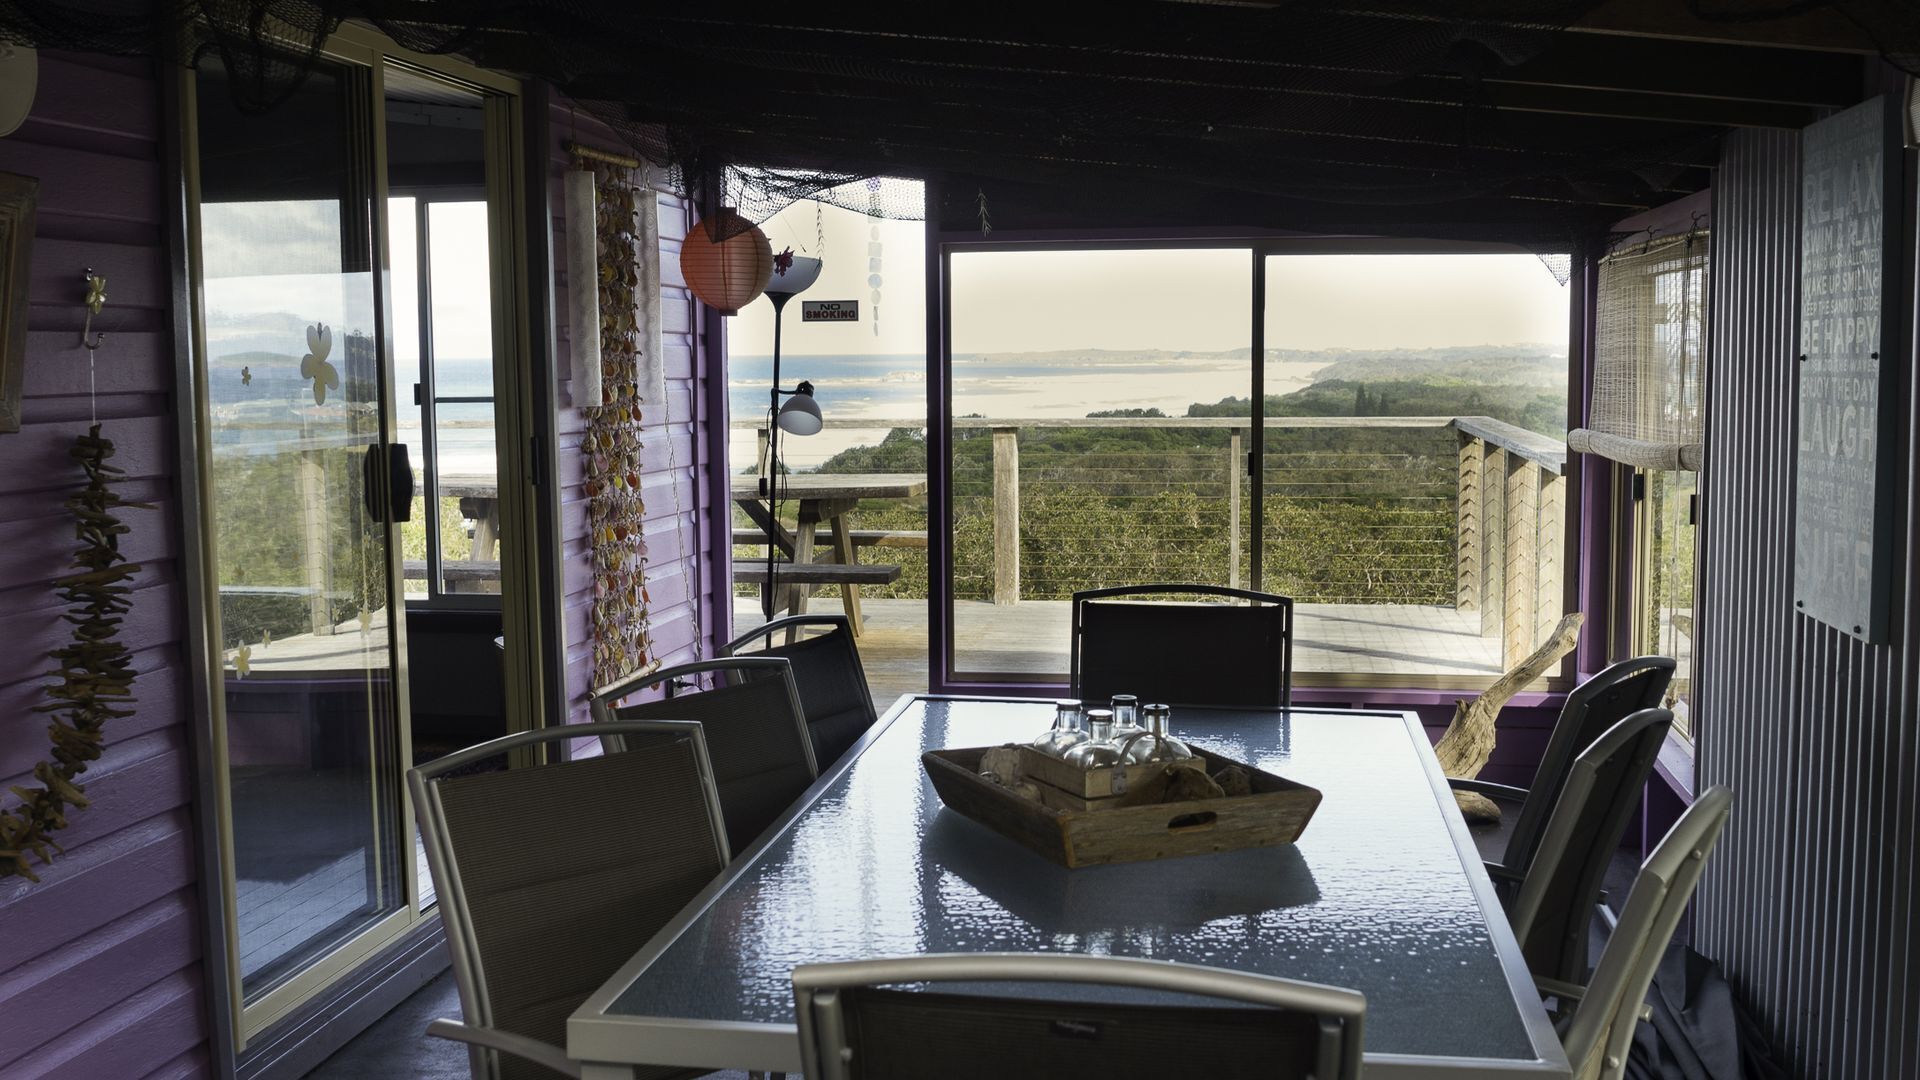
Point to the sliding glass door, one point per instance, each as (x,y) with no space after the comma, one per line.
(315,483)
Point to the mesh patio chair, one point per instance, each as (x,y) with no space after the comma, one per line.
(550,877)
(1554,907)
(828,672)
(756,733)
(1597,1021)
(1590,711)
(1183,654)
(856,1024)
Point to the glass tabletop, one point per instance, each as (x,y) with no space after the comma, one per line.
(1375,896)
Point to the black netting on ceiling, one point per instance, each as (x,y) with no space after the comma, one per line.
(1397,115)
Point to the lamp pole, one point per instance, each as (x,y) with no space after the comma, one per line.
(769,484)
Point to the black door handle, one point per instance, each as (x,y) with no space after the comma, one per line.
(400,482)
(370,483)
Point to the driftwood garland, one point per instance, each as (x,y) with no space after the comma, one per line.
(1468,743)
(95,676)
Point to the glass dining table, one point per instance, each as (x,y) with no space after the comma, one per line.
(1384,893)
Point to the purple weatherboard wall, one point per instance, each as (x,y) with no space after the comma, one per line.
(100,972)
(684,573)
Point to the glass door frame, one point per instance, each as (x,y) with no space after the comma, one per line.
(941,246)
(359,48)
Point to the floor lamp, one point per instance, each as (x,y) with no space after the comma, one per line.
(800,415)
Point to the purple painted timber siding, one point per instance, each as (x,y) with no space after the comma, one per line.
(100,962)
(682,565)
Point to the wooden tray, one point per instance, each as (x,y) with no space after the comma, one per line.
(1276,813)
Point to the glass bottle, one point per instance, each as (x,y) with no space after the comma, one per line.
(1159,745)
(1099,751)
(1126,717)
(1065,734)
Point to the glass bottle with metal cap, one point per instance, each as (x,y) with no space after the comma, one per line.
(1066,732)
(1126,717)
(1158,744)
(1099,751)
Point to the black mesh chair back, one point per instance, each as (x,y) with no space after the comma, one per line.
(1555,905)
(756,736)
(1593,708)
(831,680)
(551,877)
(857,1024)
(1183,653)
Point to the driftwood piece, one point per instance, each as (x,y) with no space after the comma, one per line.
(1468,743)
(95,674)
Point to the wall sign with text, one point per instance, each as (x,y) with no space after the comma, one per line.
(1852,350)
(829,311)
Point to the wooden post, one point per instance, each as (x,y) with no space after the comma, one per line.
(1469,518)
(1493,518)
(1523,530)
(314,541)
(1551,544)
(1006,516)
(1234,468)
(760,454)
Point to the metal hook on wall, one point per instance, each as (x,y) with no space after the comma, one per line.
(96,298)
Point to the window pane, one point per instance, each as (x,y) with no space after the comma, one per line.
(1415,501)
(295,392)
(466,469)
(1094,438)
(1667,613)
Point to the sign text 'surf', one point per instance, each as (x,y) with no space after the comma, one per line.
(1843,508)
(829,311)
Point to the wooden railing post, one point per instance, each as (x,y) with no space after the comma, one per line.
(1469,516)
(1234,467)
(316,539)
(1006,515)
(1522,567)
(1493,535)
(1552,547)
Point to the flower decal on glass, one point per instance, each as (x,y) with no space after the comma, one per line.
(315,366)
(783,262)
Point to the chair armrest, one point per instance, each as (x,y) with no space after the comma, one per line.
(543,1054)
(1501,874)
(1488,788)
(1566,991)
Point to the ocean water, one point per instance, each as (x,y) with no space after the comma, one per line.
(893,386)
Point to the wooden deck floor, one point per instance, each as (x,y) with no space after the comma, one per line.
(1030,638)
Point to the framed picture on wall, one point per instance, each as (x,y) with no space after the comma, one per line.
(18,196)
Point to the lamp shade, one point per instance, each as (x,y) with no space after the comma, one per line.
(796,276)
(727,273)
(801,414)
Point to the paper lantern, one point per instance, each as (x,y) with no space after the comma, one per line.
(726,274)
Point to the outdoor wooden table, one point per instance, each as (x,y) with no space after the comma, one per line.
(822,499)
(1384,893)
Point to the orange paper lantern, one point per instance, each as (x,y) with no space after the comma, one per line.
(726,274)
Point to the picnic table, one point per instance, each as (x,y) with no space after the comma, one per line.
(822,499)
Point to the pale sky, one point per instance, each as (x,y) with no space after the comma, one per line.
(847,266)
(1194,299)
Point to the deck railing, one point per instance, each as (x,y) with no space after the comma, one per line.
(1467,511)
